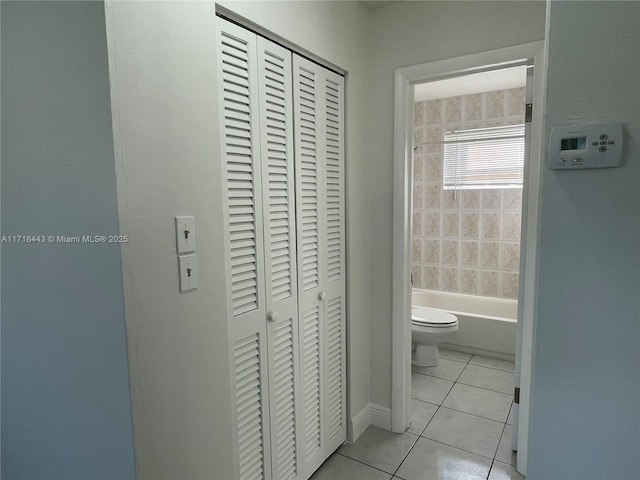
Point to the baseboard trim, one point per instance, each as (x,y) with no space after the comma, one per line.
(359,423)
(478,351)
(380,416)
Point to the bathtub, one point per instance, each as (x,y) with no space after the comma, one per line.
(487,326)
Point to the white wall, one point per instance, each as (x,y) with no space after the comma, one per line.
(338,32)
(163,88)
(586,387)
(65,386)
(163,75)
(410,33)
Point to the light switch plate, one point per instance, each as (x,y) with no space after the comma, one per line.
(188,267)
(185,234)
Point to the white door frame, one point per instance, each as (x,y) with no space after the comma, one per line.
(405,79)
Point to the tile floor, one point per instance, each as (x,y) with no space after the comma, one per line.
(460,428)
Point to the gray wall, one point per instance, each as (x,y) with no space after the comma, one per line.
(412,33)
(65,392)
(586,387)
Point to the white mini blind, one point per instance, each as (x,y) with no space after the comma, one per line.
(484,158)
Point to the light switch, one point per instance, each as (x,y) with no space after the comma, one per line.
(188,267)
(185,234)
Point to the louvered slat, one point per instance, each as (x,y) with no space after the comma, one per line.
(240,173)
(311,380)
(282,387)
(276,140)
(249,407)
(333,180)
(308,180)
(334,361)
(279,202)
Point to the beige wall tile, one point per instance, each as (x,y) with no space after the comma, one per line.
(512,199)
(495,104)
(453,110)
(465,241)
(516,98)
(469,281)
(434,138)
(418,169)
(416,254)
(472,107)
(490,255)
(490,283)
(417,224)
(434,112)
(450,199)
(433,169)
(470,199)
(490,225)
(432,195)
(511,222)
(470,225)
(418,196)
(491,199)
(419,114)
(416,276)
(431,278)
(450,252)
(449,279)
(510,285)
(510,256)
(431,252)
(451,224)
(469,254)
(432,224)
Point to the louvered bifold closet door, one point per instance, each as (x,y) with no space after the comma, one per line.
(276,126)
(309,151)
(333,271)
(319,122)
(246,315)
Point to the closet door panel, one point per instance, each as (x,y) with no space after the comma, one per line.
(333,243)
(276,127)
(309,150)
(242,203)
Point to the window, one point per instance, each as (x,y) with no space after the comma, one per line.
(484,158)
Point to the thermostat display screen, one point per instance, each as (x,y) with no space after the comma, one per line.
(579,143)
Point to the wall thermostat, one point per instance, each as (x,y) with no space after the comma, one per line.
(585,146)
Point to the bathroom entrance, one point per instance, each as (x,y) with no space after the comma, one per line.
(465,200)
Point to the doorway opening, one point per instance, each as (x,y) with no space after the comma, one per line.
(475,117)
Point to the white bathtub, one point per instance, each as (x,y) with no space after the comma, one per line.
(487,326)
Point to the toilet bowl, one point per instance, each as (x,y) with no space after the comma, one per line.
(428,328)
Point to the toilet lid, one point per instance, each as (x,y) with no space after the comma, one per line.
(430,316)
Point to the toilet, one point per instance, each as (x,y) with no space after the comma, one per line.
(428,328)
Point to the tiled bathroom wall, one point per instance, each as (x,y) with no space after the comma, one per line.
(466,241)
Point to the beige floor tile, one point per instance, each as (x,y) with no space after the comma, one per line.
(500,471)
(429,389)
(420,414)
(447,369)
(504,453)
(380,448)
(483,377)
(479,401)
(431,460)
(462,430)
(339,467)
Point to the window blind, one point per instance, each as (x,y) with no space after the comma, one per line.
(484,158)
